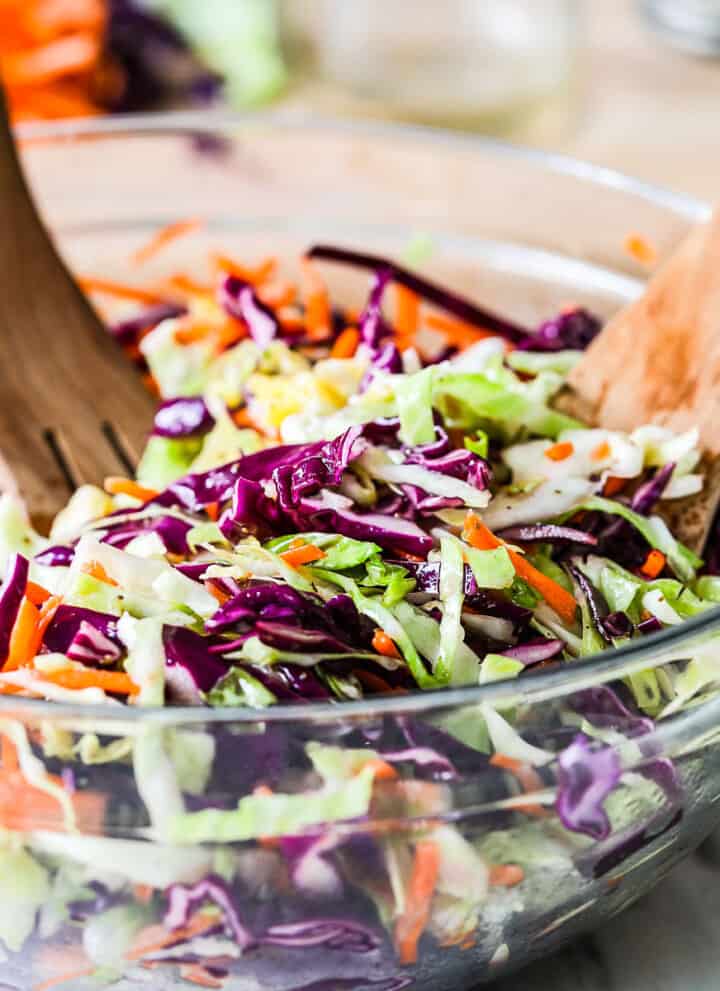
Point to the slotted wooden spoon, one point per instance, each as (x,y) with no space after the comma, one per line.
(72,408)
(658,361)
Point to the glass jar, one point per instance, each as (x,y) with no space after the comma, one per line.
(690,24)
(498,66)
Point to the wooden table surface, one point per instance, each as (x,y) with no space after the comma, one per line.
(645,108)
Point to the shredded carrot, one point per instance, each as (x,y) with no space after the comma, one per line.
(154,938)
(192,332)
(96,570)
(229,333)
(641,249)
(407,312)
(24,807)
(45,618)
(185,284)
(653,564)
(346,343)
(421,887)
(36,593)
(22,637)
(126,486)
(71,975)
(306,554)
(613,485)
(243,418)
(278,294)
(195,973)
(529,780)
(143,893)
(382,770)
(384,644)
(560,452)
(255,276)
(72,55)
(121,290)
(115,682)
(555,595)
(457,333)
(506,763)
(318,316)
(506,875)
(163,237)
(8,755)
(150,384)
(602,452)
(213,511)
(217,593)
(8,689)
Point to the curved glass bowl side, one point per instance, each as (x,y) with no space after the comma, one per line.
(315,829)
(313,837)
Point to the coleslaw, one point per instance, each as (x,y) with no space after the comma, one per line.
(335,505)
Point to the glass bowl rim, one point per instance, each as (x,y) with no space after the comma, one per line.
(583,673)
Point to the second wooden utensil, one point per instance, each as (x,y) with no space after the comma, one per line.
(658,361)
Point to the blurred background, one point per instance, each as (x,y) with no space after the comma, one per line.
(633,84)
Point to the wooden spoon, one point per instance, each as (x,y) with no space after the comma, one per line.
(658,361)
(72,408)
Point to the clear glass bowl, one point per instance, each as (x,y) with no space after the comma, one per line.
(525,232)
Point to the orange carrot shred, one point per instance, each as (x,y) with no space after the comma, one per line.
(195,973)
(73,54)
(382,770)
(255,276)
(96,570)
(185,284)
(217,593)
(72,975)
(8,755)
(126,486)
(653,564)
(278,294)
(120,289)
(640,249)
(506,875)
(384,644)
(346,343)
(22,636)
(191,333)
(150,384)
(555,595)
(458,334)
(213,511)
(306,554)
(505,762)
(602,452)
(613,485)
(560,452)
(318,317)
(407,312)
(163,237)
(529,779)
(116,682)
(155,938)
(36,593)
(421,887)
(143,893)
(45,618)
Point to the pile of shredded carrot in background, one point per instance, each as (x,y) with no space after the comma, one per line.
(53,59)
